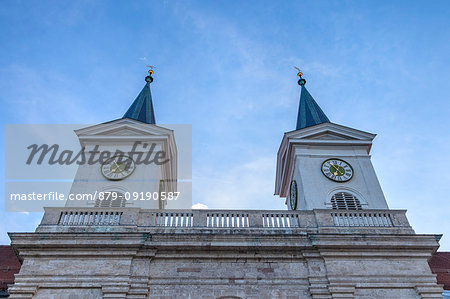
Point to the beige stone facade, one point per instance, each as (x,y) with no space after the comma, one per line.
(134,253)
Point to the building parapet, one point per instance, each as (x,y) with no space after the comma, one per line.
(136,219)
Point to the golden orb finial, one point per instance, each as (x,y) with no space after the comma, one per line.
(149,78)
(150,71)
(300,81)
(300,73)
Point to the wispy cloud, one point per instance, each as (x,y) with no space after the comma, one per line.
(41,96)
(246,186)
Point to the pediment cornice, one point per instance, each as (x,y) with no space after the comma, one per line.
(123,127)
(330,131)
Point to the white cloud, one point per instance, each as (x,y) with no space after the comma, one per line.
(246,186)
(199,206)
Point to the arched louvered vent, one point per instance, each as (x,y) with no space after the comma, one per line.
(345,201)
(113,199)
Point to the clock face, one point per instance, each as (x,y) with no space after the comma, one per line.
(337,170)
(293,195)
(118,168)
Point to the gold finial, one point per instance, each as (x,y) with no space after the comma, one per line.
(300,81)
(300,73)
(150,71)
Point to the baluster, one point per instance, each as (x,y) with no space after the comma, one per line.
(335,219)
(341,219)
(351,219)
(375,219)
(119,218)
(365,219)
(389,220)
(64,219)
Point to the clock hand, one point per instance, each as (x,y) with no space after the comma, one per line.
(332,166)
(113,169)
(337,169)
(118,167)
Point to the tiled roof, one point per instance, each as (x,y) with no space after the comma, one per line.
(9,265)
(440,265)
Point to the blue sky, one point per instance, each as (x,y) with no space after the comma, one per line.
(226,68)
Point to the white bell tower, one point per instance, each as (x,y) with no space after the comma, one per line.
(322,165)
(129,162)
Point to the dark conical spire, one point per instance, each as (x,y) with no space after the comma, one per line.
(309,112)
(142,107)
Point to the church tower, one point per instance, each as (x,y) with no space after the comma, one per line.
(133,160)
(323,165)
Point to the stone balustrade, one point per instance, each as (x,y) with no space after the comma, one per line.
(359,218)
(123,219)
(101,217)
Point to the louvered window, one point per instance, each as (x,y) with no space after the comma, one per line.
(109,202)
(345,201)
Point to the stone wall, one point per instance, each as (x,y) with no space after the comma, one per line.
(321,261)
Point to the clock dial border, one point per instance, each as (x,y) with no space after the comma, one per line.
(331,179)
(117,179)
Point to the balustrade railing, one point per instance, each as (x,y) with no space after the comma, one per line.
(280,219)
(227,219)
(221,219)
(175,219)
(361,218)
(90,218)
